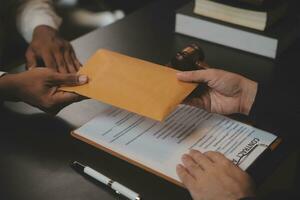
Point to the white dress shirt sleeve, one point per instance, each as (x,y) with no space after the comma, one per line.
(33,13)
(2,73)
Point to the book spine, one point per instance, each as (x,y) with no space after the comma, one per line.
(227,36)
(233,16)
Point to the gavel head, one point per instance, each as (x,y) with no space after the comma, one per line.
(189,58)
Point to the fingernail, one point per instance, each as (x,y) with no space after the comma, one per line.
(83,79)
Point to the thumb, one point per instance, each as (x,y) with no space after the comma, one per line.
(198,76)
(62,99)
(68,79)
(65,98)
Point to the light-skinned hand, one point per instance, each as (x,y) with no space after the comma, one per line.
(226,93)
(211,176)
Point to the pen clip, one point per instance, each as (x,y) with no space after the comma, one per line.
(110,182)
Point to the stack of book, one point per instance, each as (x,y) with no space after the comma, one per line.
(263,27)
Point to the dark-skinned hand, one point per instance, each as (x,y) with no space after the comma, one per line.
(55,52)
(39,87)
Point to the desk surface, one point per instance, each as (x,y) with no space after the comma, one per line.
(36,148)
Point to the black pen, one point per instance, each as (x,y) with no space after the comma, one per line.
(117,187)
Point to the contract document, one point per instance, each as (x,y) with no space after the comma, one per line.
(158,146)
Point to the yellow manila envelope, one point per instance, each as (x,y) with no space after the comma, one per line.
(132,84)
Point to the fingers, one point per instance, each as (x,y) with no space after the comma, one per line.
(217,157)
(60,61)
(68,79)
(187,180)
(55,52)
(196,163)
(63,98)
(224,164)
(193,168)
(70,64)
(49,60)
(198,76)
(76,62)
(202,101)
(31,59)
(203,161)
(65,58)
(196,102)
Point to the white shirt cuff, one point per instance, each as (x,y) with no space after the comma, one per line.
(2,73)
(33,13)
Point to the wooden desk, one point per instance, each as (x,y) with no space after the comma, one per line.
(36,148)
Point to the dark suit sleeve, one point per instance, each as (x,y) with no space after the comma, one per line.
(248,198)
(277,109)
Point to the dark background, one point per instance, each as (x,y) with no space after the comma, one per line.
(284,178)
(16,46)
(14,50)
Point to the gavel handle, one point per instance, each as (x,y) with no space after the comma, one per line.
(202,65)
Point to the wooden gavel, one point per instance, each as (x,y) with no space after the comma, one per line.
(190,58)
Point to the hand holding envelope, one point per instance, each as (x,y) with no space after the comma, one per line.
(132,84)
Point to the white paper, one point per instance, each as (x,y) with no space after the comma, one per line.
(160,145)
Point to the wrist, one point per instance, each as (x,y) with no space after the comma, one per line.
(44,30)
(9,87)
(248,95)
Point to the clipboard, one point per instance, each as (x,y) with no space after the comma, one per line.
(126,159)
(259,159)
(160,173)
(272,148)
